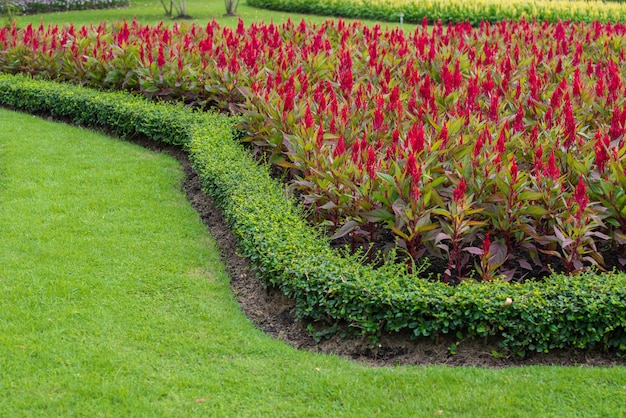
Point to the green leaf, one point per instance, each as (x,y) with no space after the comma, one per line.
(529,195)
(378,215)
(534,210)
(348,227)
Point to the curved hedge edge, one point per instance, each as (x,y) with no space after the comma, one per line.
(583,312)
(452,11)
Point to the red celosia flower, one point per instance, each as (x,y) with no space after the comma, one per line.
(577,55)
(345,72)
(577,85)
(501,143)
(308,117)
(395,137)
(486,243)
(411,167)
(559,66)
(373,55)
(601,148)
(161,57)
(494,107)
(551,170)
(514,171)
(472,93)
(425,89)
(371,163)
(616,127)
(534,136)
(518,124)
(557,95)
(570,123)
(458,75)
(478,146)
(394,97)
(600,86)
(320,136)
(379,118)
(459,192)
(416,193)
(332,128)
(548,118)
(580,197)
(415,138)
(340,148)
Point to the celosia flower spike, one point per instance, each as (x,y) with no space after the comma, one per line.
(459,192)
(486,243)
(580,197)
(340,148)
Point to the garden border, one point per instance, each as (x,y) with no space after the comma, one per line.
(588,311)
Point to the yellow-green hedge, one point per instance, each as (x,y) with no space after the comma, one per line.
(415,11)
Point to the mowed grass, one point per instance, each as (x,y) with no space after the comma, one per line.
(113,302)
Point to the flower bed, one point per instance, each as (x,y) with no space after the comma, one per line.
(496,149)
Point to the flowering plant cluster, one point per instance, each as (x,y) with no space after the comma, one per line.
(498,149)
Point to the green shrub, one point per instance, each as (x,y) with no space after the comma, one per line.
(454,10)
(46,6)
(288,253)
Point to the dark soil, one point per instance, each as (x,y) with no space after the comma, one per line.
(272,312)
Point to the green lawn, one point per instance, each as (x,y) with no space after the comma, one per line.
(113,301)
(202,11)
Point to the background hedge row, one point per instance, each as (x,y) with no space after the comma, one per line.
(589,311)
(414,11)
(13,7)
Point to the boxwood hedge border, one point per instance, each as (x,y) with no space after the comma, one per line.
(586,311)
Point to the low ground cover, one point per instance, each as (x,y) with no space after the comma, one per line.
(454,11)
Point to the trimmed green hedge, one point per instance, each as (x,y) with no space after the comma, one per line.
(47,6)
(414,11)
(583,312)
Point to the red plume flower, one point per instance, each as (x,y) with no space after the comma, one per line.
(161,57)
(459,192)
(371,162)
(308,117)
(514,171)
(411,167)
(570,123)
(580,197)
(601,148)
(487,243)
(551,170)
(340,148)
